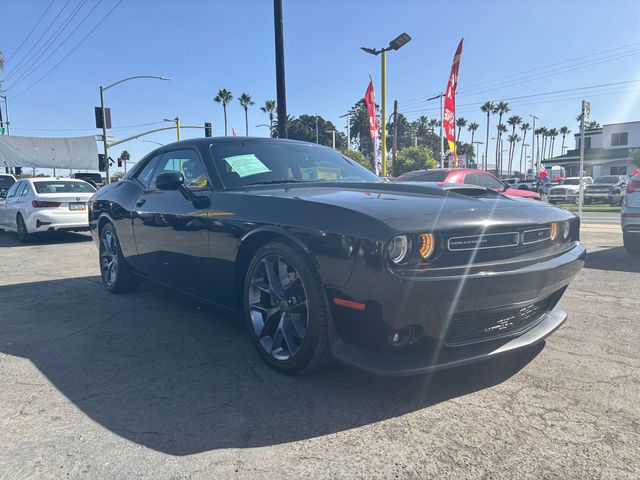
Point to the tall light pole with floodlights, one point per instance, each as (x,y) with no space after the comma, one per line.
(104,118)
(394,44)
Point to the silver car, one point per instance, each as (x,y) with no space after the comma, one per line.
(630,216)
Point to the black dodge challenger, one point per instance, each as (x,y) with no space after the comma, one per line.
(326,261)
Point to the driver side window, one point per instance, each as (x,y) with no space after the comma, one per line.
(188,163)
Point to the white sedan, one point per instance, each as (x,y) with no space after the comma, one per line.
(45,204)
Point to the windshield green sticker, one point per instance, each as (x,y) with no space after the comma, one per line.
(246,165)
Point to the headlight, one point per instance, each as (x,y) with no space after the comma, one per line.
(560,231)
(427,245)
(398,249)
(566,230)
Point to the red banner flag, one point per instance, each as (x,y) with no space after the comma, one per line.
(450,105)
(233,132)
(370,102)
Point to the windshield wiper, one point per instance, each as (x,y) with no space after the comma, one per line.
(272,182)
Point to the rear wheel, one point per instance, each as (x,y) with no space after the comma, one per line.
(631,243)
(116,275)
(285,309)
(21,228)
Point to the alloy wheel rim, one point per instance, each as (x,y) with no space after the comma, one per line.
(108,259)
(278,307)
(20,226)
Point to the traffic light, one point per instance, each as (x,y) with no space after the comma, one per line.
(102,166)
(207,129)
(120,161)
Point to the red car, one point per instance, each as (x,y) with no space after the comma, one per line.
(469,176)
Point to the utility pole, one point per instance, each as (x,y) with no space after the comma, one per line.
(477,150)
(104,138)
(584,116)
(348,115)
(534,145)
(333,137)
(281,92)
(440,96)
(394,154)
(383,86)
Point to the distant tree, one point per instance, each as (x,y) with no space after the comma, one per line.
(269,108)
(564,131)
(246,101)
(544,133)
(634,155)
(124,155)
(502,128)
(487,108)
(224,97)
(304,128)
(290,118)
(514,138)
(500,108)
(415,158)
(356,156)
(525,127)
(553,133)
(473,127)
(421,127)
(360,128)
(405,132)
(461,122)
(513,121)
(592,125)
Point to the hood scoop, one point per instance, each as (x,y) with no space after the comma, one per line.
(470,190)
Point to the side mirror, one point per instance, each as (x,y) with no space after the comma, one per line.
(169,181)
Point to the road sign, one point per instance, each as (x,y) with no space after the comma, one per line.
(586,110)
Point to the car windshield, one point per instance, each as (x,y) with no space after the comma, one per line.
(609,180)
(571,181)
(6,181)
(242,164)
(63,187)
(426,176)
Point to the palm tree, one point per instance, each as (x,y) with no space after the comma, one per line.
(514,138)
(246,101)
(501,108)
(269,108)
(525,127)
(473,127)
(1,61)
(461,122)
(487,108)
(422,126)
(224,97)
(563,131)
(553,133)
(538,132)
(513,121)
(502,128)
(544,133)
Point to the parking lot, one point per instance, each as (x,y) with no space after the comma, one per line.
(151,385)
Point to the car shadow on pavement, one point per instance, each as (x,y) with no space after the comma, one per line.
(613,259)
(181,378)
(10,239)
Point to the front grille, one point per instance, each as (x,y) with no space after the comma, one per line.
(558,191)
(472,327)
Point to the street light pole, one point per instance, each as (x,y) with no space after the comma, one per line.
(6,109)
(281,92)
(440,96)
(394,44)
(348,115)
(177,122)
(104,120)
(477,150)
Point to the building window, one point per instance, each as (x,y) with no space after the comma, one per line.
(621,138)
(587,143)
(618,170)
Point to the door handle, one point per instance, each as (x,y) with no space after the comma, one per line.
(141,202)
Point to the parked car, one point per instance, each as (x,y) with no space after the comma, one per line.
(95,179)
(607,189)
(568,189)
(326,260)
(34,205)
(6,180)
(520,184)
(480,178)
(630,216)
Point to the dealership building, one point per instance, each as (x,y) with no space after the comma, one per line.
(606,151)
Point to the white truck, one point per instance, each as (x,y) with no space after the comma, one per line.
(567,190)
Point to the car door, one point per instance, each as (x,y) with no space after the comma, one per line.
(8,206)
(170,233)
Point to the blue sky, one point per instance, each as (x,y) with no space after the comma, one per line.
(207,45)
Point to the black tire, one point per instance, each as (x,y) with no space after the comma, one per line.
(631,243)
(21,229)
(115,273)
(278,333)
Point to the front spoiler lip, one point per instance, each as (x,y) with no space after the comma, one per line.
(415,362)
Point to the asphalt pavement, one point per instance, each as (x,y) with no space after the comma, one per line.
(154,386)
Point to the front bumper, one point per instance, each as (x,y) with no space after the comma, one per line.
(435,306)
(416,361)
(562,197)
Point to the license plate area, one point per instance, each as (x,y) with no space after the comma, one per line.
(77,206)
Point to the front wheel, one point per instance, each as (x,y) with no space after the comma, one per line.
(631,243)
(116,275)
(285,309)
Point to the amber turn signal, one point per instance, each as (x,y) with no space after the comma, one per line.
(427,246)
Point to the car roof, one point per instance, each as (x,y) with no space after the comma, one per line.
(52,179)
(223,140)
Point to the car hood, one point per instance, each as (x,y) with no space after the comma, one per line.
(410,206)
(565,187)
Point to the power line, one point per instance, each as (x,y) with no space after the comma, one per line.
(39,38)
(32,70)
(70,52)
(30,32)
(33,65)
(121,127)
